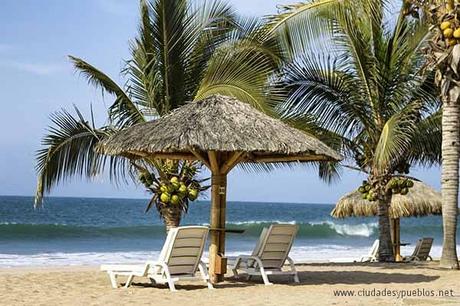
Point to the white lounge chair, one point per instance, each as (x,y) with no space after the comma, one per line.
(270,254)
(180,258)
(373,253)
(421,251)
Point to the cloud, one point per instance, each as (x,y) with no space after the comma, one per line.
(40,69)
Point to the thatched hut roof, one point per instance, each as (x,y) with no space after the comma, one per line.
(222,124)
(422,200)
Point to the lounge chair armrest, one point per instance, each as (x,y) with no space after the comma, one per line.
(243,259)
(244,256)
(290,260)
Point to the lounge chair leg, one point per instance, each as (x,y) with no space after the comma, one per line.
(265,278)
(129,281)
(168,278)
(113,280)
(235,267)
(293,269)
(171,285)
(205,275)
(296,278)
(262,271)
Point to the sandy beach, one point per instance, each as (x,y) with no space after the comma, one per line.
(319,284)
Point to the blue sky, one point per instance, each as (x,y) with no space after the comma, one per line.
(36,79)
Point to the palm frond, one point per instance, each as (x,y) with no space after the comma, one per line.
(123,111)
(207,26)
(425,147)
(396,137)
(321,87)
(240,69)
(168,18)
(69,151)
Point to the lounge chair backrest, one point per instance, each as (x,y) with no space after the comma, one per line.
(276,244)
(423,248)
(183,249)
(374,251)
(261,240)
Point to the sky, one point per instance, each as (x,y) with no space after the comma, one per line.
(36,79)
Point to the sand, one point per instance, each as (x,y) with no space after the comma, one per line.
(88,286)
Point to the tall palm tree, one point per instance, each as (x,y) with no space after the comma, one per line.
(183,52)
(444,56)
(366,95)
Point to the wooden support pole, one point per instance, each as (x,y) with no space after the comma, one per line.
(217,266)
(397,239)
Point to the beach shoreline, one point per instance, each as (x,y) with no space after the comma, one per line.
(321,283)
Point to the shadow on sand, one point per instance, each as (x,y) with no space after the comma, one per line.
(308,278)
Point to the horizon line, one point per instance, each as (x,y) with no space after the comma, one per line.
(203,200)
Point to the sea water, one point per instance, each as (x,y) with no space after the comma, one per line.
(91,231)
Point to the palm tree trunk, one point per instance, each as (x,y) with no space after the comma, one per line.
(386,245)
(449,181)
(171,216)
(386,253)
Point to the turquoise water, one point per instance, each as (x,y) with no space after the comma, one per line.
(95,230)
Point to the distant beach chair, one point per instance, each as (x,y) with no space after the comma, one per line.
(373,253)
(180,258)
(421,251)
(270,254)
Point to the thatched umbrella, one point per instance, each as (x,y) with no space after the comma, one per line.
(422,200)
(220,132)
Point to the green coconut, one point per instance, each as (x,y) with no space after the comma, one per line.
(165,197)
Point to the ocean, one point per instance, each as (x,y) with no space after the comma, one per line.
(91,231)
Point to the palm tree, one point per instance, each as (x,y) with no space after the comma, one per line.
(183,52)
(444,56)
(367,96)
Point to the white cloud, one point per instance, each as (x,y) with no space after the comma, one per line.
(41,69)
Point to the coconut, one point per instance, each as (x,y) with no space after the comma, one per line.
(165,197)
(175,185)
(182,188)
(445,25)
(192,194)
(175,200)
(457,33)
(448,33)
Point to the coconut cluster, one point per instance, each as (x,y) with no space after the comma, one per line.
(451,32)
(396,185)
(176,185)
(176,191)
(449,24)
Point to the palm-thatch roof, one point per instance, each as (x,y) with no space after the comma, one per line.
(218,123)
(422,200)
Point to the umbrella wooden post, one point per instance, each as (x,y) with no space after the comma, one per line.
(217,262)
(396,233)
